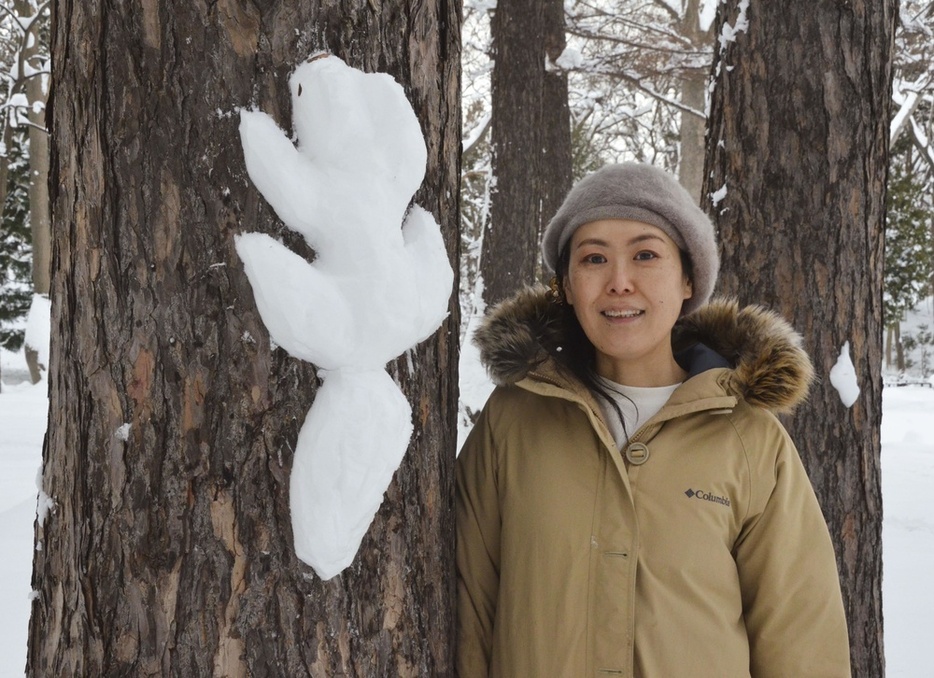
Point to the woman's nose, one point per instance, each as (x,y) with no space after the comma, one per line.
(620,281)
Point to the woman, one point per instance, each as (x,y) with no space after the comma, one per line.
(627,503)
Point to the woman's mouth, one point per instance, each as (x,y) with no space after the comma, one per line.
(622,314)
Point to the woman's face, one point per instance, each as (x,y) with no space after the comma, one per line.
(626,284)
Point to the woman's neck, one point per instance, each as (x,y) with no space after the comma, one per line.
(642,374)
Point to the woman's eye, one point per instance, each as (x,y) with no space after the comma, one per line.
(595,259)
(646,255)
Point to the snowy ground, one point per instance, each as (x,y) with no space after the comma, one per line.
(908,532)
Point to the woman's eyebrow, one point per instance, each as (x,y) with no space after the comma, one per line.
(593,241)
(634,241)
(644,237)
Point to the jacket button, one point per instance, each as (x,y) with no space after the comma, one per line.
(637,454)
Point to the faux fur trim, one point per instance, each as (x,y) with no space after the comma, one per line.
(770,368)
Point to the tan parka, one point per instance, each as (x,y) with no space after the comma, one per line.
(700,550)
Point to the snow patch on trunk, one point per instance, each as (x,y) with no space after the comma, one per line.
(843,377)
(373,292)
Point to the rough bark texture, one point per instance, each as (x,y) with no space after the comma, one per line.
(799,135)
(170,554)
(531,139)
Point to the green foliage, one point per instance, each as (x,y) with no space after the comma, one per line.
(909,246)
(15,248)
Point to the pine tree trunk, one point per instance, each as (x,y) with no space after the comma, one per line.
(799,136)
(531,140)
(171,553)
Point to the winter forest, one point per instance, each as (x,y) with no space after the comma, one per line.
(228,434)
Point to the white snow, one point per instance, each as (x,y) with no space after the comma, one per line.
(843,377)
(907,107)
(475,384)
(380,284)
(38,323)
(353,440)
(570,59)
(729,32)
(123,432)
(708,13)
(717,196)
(23,412)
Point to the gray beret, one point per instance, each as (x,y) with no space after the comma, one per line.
(643,193)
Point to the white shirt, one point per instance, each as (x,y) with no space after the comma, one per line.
(637,403)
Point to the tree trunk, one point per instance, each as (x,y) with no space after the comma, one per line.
(38,209)
(38,164)
(38,177)
(890,331)
(170,552)
(899,348)
(799,135)
(557,160)
(531,140)
(693,95)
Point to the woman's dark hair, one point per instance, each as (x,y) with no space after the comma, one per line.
(579,355)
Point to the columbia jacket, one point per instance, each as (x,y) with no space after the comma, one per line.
(699,550)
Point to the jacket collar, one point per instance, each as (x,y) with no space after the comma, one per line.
(522,337)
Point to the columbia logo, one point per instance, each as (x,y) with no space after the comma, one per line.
(707,496)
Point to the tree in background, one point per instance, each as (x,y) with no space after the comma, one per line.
(24,52)
(909,235)
(909,244)
(797,156)
(164,543)
(15,248)
(646,66)
(913,79)
(531,141)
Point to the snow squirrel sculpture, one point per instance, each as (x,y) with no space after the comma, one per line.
(373,291)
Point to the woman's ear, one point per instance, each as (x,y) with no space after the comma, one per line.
(688,288)
(566,290)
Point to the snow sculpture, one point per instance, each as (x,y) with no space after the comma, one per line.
(373,291)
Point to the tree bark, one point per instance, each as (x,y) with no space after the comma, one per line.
(531,140)
(799,136)
(170,553)
(693,95)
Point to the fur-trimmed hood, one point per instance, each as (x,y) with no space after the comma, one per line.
(770,369)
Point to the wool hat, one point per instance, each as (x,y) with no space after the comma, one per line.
(643,193)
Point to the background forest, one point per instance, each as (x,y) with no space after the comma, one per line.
(809,142)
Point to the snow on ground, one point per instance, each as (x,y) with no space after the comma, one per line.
(908,530)
(23,413)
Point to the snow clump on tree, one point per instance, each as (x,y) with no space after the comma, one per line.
(373,291)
